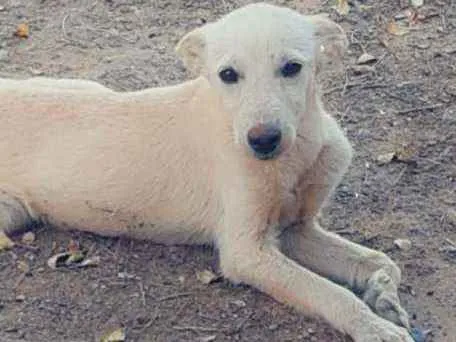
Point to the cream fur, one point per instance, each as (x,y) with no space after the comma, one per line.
(172,165)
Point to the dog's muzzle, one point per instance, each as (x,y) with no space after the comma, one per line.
(264,140)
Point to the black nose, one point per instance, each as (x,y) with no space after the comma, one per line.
(264,140)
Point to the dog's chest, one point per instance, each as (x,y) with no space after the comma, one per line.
(290,203)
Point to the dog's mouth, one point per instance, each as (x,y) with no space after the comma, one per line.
(269,155)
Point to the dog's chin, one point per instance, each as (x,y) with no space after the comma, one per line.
(266,156)
(273,155)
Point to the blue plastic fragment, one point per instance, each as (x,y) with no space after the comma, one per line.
(418,335)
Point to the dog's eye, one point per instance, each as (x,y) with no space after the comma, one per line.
(291,69)
(229,75)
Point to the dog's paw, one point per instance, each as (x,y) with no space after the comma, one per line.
(381,295)
(380,330)
(389,307)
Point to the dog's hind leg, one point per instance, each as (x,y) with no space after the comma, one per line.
(15,215)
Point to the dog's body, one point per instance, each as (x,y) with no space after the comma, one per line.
(103,161)
(174,165)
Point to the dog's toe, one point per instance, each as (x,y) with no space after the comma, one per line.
(381,295)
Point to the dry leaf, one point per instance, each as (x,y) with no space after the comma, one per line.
(383,40)
(404,153)
(67,259)
(117,335)
(54,247)
(342,7)
(73,246)
(22,31)
(58,260)
(451,216)
(385,158)
(95,261)
(23,266)
(74,258)
(28,238)
(396,29)
(417,3)
(207,277)
(365,7)
(366,58)
(413,17)
(5,242)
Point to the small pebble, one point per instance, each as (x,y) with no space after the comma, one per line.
(36,72)
(20,298)
(125,275)
(239,303)
(3,55)
(28,238)
(403,244)
(366,58)
(273,327)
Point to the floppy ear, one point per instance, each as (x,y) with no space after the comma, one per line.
(331,40)
(191,49)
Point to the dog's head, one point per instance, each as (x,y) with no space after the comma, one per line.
(262,60)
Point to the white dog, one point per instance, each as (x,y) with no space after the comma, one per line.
(242,157)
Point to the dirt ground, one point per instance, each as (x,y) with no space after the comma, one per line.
(402,103)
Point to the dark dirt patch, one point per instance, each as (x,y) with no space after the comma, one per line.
(128,44)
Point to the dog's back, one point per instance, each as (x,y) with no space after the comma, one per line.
(92,158)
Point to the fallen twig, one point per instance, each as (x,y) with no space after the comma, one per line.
(175,296)
(195,328)
(451,242)
(418,109)
(63,26)
(347,231)
(355,85)
(364,85)
(143,293)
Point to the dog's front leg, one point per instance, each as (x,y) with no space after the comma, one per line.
(249,254)
(365,270)
(371,272)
